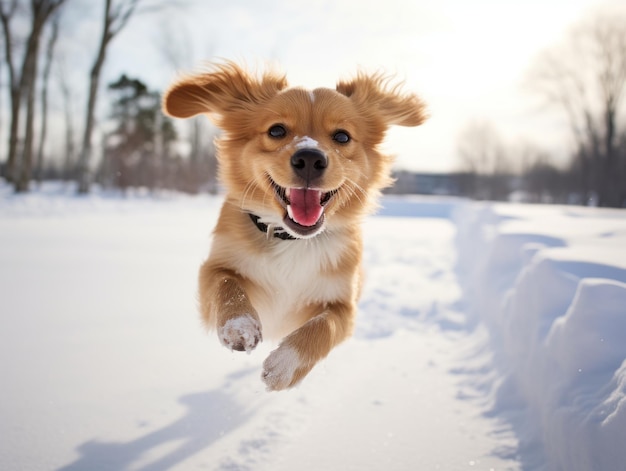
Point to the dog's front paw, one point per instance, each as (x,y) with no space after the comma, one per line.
(283,369)
(241,333)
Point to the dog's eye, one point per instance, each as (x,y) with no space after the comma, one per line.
(342,137)
(277,131)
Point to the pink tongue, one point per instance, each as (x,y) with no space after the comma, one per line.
(306,209)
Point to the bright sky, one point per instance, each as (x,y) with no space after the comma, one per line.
(467,59)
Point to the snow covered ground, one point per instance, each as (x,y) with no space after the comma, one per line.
(549,283)
(489,337)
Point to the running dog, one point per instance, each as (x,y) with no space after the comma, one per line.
(301,169)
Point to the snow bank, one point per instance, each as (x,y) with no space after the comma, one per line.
(550,285)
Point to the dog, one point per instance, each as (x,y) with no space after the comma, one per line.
(301,169)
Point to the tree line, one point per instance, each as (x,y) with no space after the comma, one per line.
(584,79)
(141,148)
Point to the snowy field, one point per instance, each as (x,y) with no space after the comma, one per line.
(490,337)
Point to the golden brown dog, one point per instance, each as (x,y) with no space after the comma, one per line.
(301,168)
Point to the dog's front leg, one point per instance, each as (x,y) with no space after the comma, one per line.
(226,307)
(298,353)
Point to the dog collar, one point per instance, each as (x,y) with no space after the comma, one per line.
(277,232)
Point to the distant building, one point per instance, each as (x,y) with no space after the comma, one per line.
(424,183)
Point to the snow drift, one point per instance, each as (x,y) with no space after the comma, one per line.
(550,285)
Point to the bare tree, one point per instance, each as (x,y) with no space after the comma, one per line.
(68,112)
(8,11)
(479,147)
(484,161)
(586,78)
(41,11)
(1,117)
(117,13)
(175,45)
(176,48)
(115,18)
(23,86)
(54,34)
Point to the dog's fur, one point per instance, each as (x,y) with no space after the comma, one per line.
(316,151)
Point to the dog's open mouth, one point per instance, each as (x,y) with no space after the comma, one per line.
(305,208)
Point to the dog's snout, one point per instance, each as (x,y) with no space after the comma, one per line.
(309,164)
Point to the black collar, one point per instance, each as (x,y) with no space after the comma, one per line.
(277,232)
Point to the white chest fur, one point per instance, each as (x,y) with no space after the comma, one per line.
(293,274)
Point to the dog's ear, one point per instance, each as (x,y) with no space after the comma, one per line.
(227,87)
(375,94)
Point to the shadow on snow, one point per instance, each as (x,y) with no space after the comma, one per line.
(208,417)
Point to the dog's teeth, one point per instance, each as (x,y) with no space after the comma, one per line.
(287,192)
(289,212)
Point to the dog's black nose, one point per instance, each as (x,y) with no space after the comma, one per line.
(309,164)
